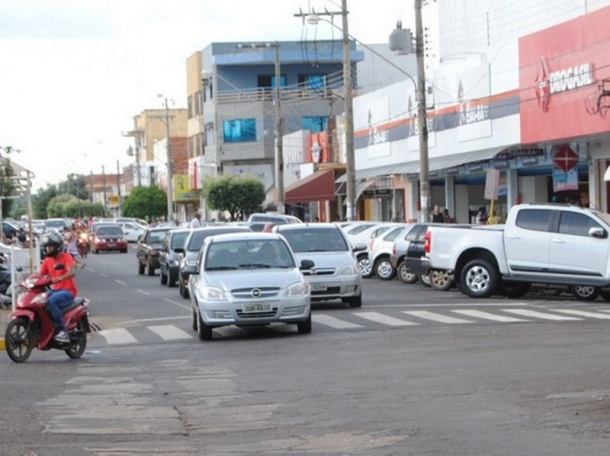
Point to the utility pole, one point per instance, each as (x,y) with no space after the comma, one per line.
(350,159)
(279,151)
(170,204)
(424,174)
(118,188)
(104,184)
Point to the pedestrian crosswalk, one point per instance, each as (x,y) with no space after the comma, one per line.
(371,320)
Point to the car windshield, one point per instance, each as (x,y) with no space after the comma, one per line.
(251,254)
(55,223)
(157,237)
(315,240)
(178,239)
(109,231)
(197,237)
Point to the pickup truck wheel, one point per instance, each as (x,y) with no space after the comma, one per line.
(479,278)
(440,279)
(605,294)
(365,266)
(514,290)
(585,293)
(384,269)
(405,274)
(140,268)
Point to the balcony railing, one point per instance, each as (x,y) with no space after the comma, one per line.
(268,94)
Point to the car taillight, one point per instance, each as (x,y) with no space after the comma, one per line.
(427,241)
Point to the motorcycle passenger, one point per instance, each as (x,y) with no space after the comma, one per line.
(63,288)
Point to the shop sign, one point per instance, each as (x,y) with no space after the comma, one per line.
(521,152)
(499,164)
(385,193)
(571,78)
(452,171)
(565,158)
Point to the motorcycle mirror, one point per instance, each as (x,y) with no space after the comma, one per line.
(59,266)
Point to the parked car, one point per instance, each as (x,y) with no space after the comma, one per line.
(192,246)
(248,279)
(149,248)
(365,233)
(380,249)
(107,238)
(336,274)
(271,217)
(169,258)
(439,279)
(55,224)
(132,230)
(399,253)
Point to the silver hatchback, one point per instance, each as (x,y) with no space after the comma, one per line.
(248,279)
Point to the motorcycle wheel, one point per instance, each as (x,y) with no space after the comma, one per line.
(78,338)
(18,347)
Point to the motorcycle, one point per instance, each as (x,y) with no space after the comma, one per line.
(31,325)
(83,245)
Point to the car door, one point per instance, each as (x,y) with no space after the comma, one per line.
(527,241)
(574,251)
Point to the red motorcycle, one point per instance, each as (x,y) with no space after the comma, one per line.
(31,325)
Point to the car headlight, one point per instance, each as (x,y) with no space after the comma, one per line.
(298,289)
(349,269)
(211,294)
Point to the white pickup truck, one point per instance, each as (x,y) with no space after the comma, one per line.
(540,243)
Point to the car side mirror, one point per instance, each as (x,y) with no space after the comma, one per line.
(307,264)
(598,232)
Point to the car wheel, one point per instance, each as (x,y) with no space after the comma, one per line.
(440,279)
(162,277)
(355,302)
(585,293)
(203,331)
(384,269)
(424,279)
(365,266)
(194,319)
(405,274)
(184,292)
(171,281)
(514,290)
(141,268)
(150,270)
(479,278)
(304,327)
(605,294)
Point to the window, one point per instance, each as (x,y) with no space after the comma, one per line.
(316,82)
(576,224)
(239,130)
(392,235)
(534,219)
(268,81)
(315,124)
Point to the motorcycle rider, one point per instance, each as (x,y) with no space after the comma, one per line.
(63,288)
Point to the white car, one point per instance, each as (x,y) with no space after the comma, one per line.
(365,232)
(132,230)
(336,274)
(380,250)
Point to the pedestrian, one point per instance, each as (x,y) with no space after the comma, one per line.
(446,217)
(493,218)
(70,238)
(196,222)
(481,216)
(437,217)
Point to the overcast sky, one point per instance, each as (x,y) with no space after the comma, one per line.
(75,72)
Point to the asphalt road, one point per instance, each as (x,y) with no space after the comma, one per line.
(413,372)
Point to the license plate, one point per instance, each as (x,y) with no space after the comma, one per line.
(111,245)
(317,287)
(257,307)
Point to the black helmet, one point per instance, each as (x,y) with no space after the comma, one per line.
(54,239)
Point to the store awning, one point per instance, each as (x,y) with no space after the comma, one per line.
(319,186)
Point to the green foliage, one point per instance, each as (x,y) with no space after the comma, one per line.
(75,184)
(145,201)
(40,202)
(237,195)
(7,185)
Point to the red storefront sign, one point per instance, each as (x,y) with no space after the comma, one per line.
(565,158)
(560,68)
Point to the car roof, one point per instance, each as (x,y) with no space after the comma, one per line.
(309,226)
(247,236)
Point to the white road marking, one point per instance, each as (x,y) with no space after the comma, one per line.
(120,283)
(118,336)
(435,317)
(542,315)
(171,301)
(383,319)
(487,316)
(333,322)
(170,332)
(583,313)
(143,292)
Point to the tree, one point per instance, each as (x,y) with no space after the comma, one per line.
(237,195)
(145,201)
(75,184)
(40,202)
(7,184)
